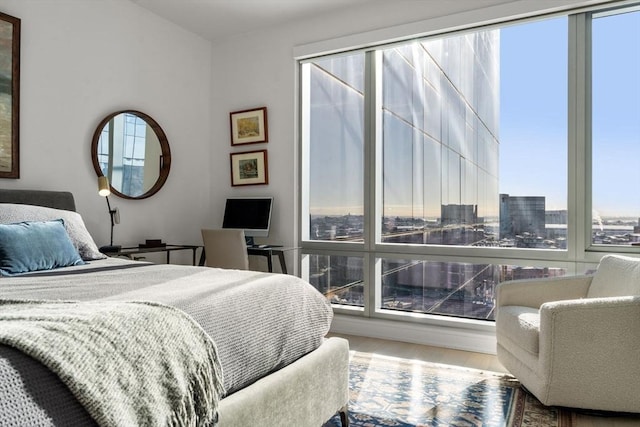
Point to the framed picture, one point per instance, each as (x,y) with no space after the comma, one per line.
(249,126)
(249,168)
(9,96)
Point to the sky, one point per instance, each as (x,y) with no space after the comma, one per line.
(533,79)
(533,111)
(616,114)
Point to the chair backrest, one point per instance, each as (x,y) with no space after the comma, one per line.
(617,276)
(225,248)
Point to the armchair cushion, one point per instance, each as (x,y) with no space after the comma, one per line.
(616,276)
(522,324)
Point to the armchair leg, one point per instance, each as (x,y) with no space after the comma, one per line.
(344,416)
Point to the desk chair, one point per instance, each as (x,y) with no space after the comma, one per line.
(225,248)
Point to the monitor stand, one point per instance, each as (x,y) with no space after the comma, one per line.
(249,240)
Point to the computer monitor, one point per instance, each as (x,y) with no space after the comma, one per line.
(252,214)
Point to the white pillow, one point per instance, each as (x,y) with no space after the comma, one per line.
(78,233)
(617,276)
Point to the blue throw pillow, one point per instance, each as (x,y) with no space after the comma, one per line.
(35,245)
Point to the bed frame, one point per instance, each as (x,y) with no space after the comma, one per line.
(307,392)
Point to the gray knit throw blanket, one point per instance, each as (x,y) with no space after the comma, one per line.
(127,363)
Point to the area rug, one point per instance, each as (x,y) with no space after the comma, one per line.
(387,391)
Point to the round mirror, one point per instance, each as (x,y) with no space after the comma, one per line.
(131,149)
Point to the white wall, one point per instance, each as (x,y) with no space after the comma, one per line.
(82,60)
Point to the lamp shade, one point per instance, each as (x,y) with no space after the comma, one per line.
(103,186)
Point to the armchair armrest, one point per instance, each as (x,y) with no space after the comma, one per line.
(593,344)
(535,292)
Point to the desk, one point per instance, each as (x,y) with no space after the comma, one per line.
(269,252)
(135,250)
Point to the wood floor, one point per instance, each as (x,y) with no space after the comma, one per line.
(465,359)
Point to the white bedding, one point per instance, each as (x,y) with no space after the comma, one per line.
(260,322)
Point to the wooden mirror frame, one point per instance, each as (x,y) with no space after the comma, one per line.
(165,163)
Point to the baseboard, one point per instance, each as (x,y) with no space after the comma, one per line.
(454,337)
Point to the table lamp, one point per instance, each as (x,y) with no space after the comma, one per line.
(105,190)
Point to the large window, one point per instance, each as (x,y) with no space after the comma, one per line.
(335,104)
(435,169)
(475,138)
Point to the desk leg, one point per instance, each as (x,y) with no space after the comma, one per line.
(283,265)
(269,262)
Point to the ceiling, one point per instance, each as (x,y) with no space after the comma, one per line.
(215,19)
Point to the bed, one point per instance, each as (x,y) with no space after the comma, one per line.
(279,368)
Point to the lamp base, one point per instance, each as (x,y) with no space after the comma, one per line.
(110,249)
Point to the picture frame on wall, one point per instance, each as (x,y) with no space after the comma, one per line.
(249,126)
(9,96)
(249,168)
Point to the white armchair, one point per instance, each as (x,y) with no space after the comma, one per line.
(575,341)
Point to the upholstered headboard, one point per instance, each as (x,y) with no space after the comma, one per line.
(51,199)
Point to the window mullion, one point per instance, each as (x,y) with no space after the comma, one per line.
(579,230)
(373,150)
(372,178)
